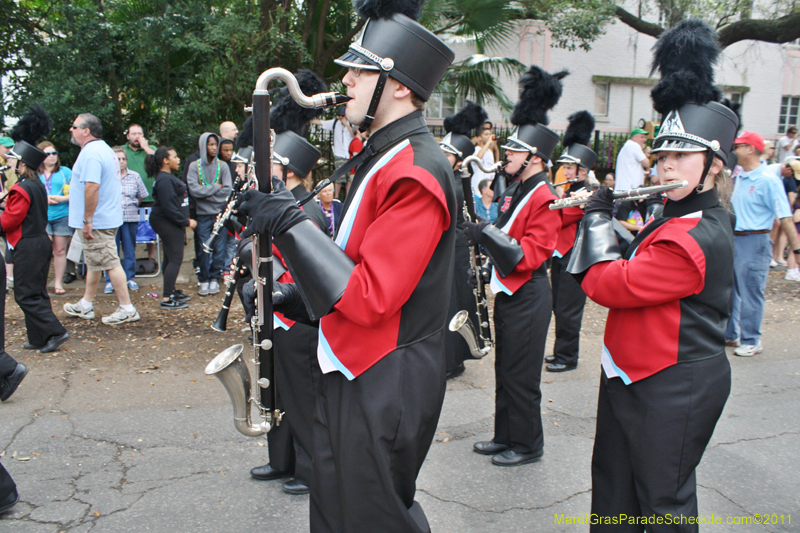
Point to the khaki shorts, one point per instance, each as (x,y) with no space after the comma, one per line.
(101,252)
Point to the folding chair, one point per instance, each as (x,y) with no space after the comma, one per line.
(145,234)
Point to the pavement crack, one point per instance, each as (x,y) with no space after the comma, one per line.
(743,510)
(514,508)
(768,437)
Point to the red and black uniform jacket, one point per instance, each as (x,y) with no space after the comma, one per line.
(398,226)
(525,215)
(26,211)
(570,217)
(670,296)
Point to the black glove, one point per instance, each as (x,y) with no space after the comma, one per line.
(272,213)
(233,225)
(473,231)
(601,201)
(486,275)
(286,299)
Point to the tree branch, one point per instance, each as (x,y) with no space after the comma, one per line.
(322,60)
(642,26)
(780,30)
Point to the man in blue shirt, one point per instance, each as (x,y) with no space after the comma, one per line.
(758,198)
(95,208)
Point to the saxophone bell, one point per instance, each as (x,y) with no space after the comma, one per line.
(463,325)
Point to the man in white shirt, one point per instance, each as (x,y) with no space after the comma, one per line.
(631,162)
(787,144)
(342,136)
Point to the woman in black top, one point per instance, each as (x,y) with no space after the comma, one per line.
(169,217)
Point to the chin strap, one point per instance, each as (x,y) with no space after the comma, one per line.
(522,167)
(386,66)
(710,155)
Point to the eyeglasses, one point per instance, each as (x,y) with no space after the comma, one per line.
(74,127)
(355,71)
(51,153)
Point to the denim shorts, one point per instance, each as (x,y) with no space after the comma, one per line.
(60,227)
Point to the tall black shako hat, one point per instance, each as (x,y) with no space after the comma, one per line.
(539,93)
(28,131)
(576,140)
(394,44)
(459,128)
(694,120)
(290,122)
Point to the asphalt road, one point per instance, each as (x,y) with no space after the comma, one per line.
(120,431)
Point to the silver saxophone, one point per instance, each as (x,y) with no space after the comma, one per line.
(480,342)
(229,366)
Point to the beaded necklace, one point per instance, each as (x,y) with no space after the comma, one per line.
(203,176)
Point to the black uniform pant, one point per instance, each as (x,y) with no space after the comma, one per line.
(297,378)
(568,303)
(461,298)
(371,436)
(650,437)
(521,323)
(7,485)
(7,363)
(173,239)
(31,266)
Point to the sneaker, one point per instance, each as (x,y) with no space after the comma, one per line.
(792,275)
(733,343)
(173,303)
(773,263)
(9,283)
(132,285)
(120,316)
(77,310)
(203,290)
(109,288)
(213,287)
(748,350)
(178,295)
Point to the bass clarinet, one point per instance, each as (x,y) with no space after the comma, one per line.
(229,366)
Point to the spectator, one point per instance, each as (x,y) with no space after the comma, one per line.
(484,150)
(631,214)
(769,153)
(485,208)
(632,163)
(609,180)
(209,184)
(794,275)
(136,150)
(787,172)
(228,130)
(342,136)
(757,199)
(169,218)
(226,155)
(133,192)
(24,222)
(55,179)
(787,144)
(8,176)
(331,207)
(95,208)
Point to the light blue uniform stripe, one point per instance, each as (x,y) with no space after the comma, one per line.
(625,379)
(323,343)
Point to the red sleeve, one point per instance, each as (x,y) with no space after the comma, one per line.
(570,215)
(663,272)
(17,207)
(539,241)
(395,252)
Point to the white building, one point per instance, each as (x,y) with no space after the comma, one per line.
(612,79)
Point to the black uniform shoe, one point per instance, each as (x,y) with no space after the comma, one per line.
(512,458)
(29,346)
(178,295)
(457,371)
(9,501)
(266,473)
(295,487)
(172,303)
(550,359)
(54,342)
(69,278)
(561,367)
(489,447)
(10,384)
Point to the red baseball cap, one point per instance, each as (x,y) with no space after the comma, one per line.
(752,138)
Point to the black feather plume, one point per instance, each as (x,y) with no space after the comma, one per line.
(736,108)
(465,121)
(685,56)
(580,129)
(288,115)
(33,126)
(386,8)
(539,93)
(245,137)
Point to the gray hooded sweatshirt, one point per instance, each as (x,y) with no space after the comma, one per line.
(210,199)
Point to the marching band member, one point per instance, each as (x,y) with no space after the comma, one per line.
(381,295)
(519,244)
(665,374)
(457,145)
(568,297)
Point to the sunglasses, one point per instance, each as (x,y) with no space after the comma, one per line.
(51,153)
(76,128)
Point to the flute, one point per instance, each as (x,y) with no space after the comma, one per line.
(642,192)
